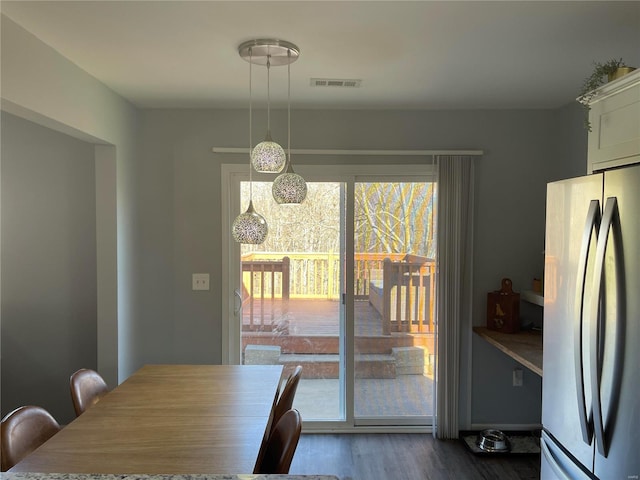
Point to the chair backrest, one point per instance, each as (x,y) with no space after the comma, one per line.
(24,430)
(285,401)
(87,387)
(281,445)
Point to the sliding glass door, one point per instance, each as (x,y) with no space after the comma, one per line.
(394,249)
(292,285)
(344,286)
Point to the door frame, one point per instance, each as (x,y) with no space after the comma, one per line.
(232,173)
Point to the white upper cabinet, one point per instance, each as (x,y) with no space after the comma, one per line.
(614,139)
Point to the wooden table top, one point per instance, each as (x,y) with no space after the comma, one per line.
(168,419)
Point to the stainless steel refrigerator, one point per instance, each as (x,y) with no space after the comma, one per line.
(591,356)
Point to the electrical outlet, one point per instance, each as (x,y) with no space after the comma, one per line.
(517,377)
(200,281)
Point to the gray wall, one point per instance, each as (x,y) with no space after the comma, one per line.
(40,85)
(509,242)
(179,222)
(167,185)
(48,265)
(178,229)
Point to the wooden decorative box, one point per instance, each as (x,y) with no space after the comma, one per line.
(503,309)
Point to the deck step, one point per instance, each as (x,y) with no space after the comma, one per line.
(327,366)
(330,344)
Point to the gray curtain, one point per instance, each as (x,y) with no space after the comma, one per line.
(454,296)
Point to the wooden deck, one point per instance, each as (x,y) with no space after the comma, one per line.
(307,332)
(301,316)
(399,286)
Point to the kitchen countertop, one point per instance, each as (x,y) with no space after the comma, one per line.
(524,346)
(88,476)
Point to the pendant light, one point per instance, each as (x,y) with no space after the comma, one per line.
(268,156)
(289,188)
(250,227)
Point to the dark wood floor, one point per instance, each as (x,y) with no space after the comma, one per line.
(404,456)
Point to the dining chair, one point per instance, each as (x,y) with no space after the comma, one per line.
(281,445)
(87,387)
(285,401)
(22,431)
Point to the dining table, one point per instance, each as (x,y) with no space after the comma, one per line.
(168,419)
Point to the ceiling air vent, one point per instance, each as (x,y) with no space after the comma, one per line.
(336,82)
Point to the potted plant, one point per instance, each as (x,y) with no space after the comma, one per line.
(602,73)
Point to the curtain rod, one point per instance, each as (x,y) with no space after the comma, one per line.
(412,153)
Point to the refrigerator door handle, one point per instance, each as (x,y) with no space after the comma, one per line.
(610,223)
(591,223)
(553,462)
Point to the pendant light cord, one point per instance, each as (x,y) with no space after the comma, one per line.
(250,123)
(268,96)
(288,109)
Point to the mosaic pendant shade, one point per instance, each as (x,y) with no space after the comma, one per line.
(268,156)
(250,227)
(289,188)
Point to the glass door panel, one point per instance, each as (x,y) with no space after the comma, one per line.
(344,286)
(394,290)
(292,287)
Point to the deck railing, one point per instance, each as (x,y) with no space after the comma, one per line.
(405,296)
(311,275)
(271,276)
(261,279)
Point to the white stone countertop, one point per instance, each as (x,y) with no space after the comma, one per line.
(88,476)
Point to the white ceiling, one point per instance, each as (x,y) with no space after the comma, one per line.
(409,55)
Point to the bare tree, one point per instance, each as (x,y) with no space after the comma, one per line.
(390,217)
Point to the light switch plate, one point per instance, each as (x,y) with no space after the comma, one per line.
(200,281)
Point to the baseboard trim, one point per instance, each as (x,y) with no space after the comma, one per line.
(367,429)
(512,427)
